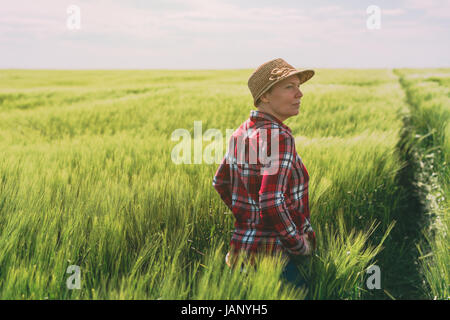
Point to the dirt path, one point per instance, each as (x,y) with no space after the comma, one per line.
(401,278)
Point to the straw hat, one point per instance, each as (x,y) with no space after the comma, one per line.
(271,72)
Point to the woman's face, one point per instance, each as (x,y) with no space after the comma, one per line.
(284,99)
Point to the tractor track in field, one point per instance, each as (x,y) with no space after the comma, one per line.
(399,260)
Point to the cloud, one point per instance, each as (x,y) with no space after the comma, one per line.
(430,8)
(196,32)
(114,18)
(393,12)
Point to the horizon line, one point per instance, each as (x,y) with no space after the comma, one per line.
(211,69)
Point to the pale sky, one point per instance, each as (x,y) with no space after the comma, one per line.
(220,34)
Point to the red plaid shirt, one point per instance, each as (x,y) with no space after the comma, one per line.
(271,210)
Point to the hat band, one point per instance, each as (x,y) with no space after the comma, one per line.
(279,73)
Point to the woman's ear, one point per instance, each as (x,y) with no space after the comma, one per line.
(263,98)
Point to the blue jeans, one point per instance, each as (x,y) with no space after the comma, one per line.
(292,275)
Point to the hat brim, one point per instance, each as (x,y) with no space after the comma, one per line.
(303,75)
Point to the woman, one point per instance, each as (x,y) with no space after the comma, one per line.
(269,199)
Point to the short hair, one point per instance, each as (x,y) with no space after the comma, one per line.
(268,91)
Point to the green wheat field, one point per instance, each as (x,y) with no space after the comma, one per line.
(87,180)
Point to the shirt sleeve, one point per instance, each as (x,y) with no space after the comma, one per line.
(271,196)
(222,182)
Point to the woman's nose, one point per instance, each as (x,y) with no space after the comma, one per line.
(299,93)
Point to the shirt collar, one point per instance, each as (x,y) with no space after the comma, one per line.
(259,115)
